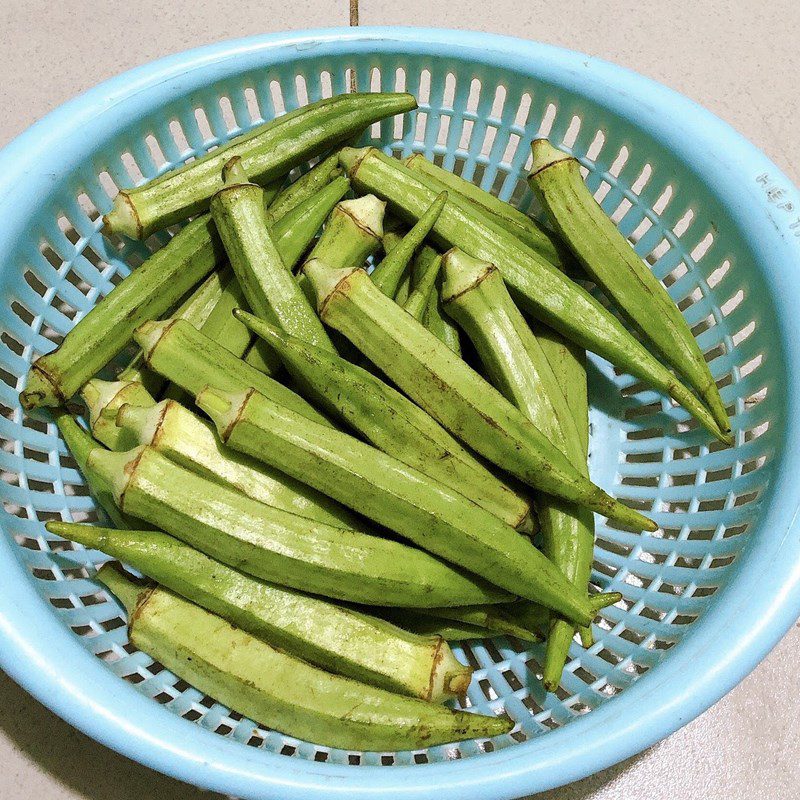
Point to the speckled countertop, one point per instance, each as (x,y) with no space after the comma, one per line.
(739,59)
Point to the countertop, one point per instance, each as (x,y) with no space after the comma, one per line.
(739,59)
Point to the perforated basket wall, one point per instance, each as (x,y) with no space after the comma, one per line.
(708,214)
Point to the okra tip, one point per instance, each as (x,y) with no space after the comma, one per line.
(545,155)
(259,327)
(123,219)
(87,535)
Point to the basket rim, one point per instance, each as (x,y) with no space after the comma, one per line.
(43,656)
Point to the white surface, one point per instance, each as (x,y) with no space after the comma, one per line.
(739,59)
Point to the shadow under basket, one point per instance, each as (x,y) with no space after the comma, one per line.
(705,597)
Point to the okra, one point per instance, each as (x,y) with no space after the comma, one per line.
(393,494)
(303,188)
(499,621)
(179,352)
(147,293)
(103,399)
(538,285)
(388,275)
(269,151)
(527,230)
(270,288)
(333,637)
(452,392)
(568,538)
(278,690)
(390,421)
(222,327)
(275,545)
(80,444)
(436,320)
(424,290)
(517,364)
(195,309)
(419,623)
(191,442)
(614,265)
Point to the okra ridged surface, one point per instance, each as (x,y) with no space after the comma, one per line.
(278,690)
(331,636)
(275,545)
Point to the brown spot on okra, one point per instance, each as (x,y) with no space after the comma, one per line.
(30,401)
(129,470)
(240,411)
(438,655)
(159,431)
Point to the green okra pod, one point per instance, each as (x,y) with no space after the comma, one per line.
(451,392)
(179,352)
(222,327)
(499,621)
(147,293)
(278,690)
(80,444)
(275,545)
(424,290)
(527,230)
(436,320)
(269,151)
(304,187)
(538,285)
(270,288)
(517,364)
(191,442)
(417,622)
(614,265)
(391,422)
(331,636)
(103,399)
(388,275)
(393,494)
(194,309)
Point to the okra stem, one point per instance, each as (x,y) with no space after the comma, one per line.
(278,690)
(331,636)
(393,494)
(388,275)
(451,392)
(390,421)
(543,290)
(614,265)
(267,152)
(103,399)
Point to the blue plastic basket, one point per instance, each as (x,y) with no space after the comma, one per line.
(705,597)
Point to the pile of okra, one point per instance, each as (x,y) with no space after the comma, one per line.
(320,487)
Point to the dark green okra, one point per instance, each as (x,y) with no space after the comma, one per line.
(614,265)
(391,422)
(304,187)
(331,636)
(192,442)
(517,364)
(270,289)
(269,151)
(278,546)
(542,289)
(527,230)
(392,494)
(147,293)
(450,391)
(436,320)
(278,690)
(388,275)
